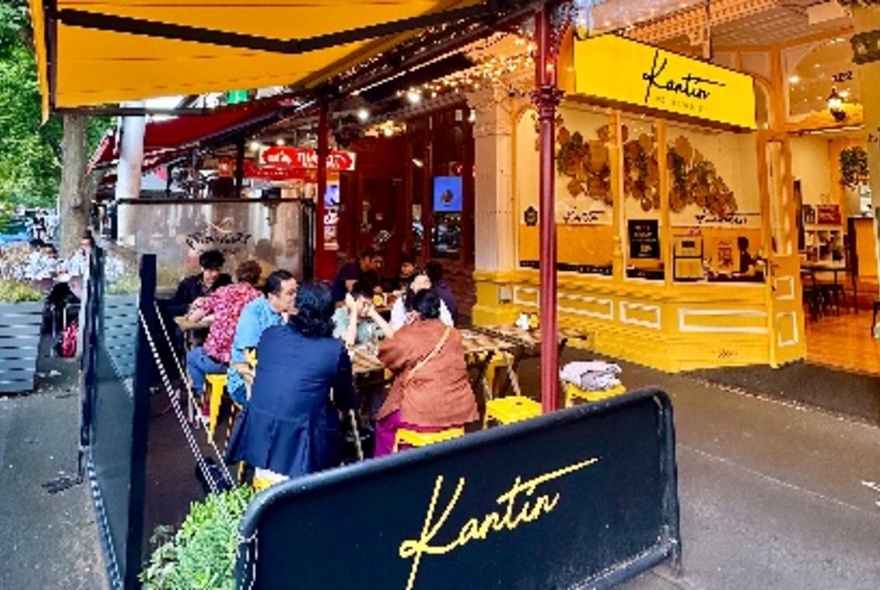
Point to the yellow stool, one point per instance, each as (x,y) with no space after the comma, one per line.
(423,439)
(573,393)
(216,383)
(515,408)
(262,483)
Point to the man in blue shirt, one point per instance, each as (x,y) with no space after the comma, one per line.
(256,317)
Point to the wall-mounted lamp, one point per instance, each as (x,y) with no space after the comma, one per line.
(835,106)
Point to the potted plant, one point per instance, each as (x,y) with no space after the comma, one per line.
(201,554)
(21,310)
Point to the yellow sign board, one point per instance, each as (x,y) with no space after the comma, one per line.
(619,70)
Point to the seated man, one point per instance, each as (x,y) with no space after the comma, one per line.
(435,273)
(255,318)
(407,271)
(225,305)
(197,287)
(365,271)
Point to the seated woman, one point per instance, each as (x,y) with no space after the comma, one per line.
(291,426)
(431,390)
(401,311)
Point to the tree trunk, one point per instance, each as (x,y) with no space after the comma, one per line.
(76,190)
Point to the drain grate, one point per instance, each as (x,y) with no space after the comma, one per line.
(59,484)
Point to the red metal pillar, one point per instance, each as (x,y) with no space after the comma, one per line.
(324,269)
(546,98)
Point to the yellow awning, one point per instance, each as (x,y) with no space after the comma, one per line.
(93,52)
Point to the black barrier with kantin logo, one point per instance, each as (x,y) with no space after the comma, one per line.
(586,497)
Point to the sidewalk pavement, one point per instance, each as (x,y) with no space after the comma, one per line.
(48,540)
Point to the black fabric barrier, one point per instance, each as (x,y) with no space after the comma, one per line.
(582,497)
(118,372)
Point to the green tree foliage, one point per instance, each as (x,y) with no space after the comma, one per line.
(30,152)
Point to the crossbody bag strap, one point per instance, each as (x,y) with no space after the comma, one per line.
(431,354)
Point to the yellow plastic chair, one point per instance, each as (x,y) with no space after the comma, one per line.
(423,439)
(216,383)
(507,410)
(574,393)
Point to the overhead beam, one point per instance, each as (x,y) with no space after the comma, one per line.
(135,26)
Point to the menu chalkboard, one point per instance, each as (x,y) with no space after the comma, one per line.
(644,238)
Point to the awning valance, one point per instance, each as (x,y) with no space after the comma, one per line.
(93,52)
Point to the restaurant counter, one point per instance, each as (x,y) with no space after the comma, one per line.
(675,327)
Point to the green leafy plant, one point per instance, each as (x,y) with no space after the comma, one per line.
(18,292)
(201,555)
(853,167)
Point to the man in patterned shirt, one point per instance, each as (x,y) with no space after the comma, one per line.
(225,305)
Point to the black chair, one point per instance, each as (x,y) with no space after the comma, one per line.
(813,295)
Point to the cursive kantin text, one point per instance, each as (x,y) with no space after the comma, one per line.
(511,516)
(688,86)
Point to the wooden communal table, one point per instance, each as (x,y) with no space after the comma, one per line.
(479,349)
(525,344)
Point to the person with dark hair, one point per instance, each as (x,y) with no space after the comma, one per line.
(365,271)
(257,316)
(366,325)
(407,271)
(197,287)
(225,305)
(435,273)
(291,427)
(402,312)
(431,390)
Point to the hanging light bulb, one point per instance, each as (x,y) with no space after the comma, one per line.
(363,114)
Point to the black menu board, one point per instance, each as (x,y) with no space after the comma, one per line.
(644,238)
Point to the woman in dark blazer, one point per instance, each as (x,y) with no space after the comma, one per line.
(291,424)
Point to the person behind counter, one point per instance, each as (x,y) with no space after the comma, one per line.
(196,288)
(291,426)
(431,390)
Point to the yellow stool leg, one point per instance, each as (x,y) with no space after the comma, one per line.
(216,393)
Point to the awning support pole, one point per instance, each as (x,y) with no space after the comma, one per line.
(322,271)
(239,168)
(546,98)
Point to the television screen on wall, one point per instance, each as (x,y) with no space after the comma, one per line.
(447,194)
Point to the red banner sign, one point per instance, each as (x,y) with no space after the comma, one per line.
(280,156)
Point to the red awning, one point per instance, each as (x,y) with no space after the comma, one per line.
(184,131)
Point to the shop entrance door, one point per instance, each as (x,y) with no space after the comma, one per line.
(785,317)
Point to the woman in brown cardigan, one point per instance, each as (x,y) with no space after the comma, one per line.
(431,391)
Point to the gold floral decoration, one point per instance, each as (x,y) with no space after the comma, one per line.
(641,171)
(586,163)
(694,180)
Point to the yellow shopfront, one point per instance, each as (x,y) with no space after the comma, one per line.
(676,246)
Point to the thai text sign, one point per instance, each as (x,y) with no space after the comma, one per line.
(623,71)
(280,156)
(554,502)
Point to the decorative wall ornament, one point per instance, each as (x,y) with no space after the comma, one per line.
(694,180)
(586,163)
(641,170)
(853,167)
